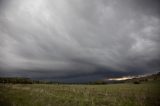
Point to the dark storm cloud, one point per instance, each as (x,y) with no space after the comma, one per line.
(79,39)
(151,7)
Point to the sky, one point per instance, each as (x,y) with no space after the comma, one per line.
(79,40)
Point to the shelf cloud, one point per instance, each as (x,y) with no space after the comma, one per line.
(79,40)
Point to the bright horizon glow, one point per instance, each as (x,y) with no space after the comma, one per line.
(122,78)
(129,77)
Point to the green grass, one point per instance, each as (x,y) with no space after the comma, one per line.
(145,94)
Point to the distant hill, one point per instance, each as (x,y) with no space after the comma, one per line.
(145,78)
(135,80)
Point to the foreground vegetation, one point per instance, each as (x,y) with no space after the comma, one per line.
(127,94)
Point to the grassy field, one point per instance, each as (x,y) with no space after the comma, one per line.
(145,94)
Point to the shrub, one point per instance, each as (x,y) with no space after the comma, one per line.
(136,82)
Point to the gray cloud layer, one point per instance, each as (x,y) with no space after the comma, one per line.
(71,38)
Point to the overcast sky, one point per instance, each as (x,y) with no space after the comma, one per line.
(79,40)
